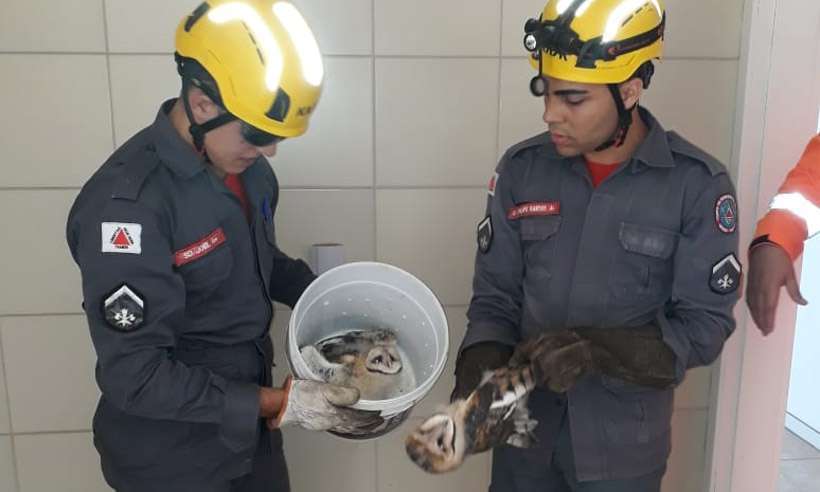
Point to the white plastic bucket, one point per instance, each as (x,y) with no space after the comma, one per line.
(369,294)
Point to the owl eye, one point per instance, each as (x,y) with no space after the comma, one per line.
(440,442)
(378,360)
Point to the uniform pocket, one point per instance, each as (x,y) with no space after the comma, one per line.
(538,237)
(636,414)
(203,276)
(648,241)
(539,228)
(644,266)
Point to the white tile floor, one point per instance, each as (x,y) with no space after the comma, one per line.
(799,466)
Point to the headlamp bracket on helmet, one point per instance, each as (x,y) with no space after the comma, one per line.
(557,38)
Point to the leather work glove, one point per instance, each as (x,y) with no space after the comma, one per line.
(321,406)
(557,359)
(474,362)
(770,268)
(635,354)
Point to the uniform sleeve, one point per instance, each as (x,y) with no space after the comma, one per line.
(494,314)
(289,278)
(698,318)
(794,213)
(132,298)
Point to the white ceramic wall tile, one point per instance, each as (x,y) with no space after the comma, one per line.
(696,98)
(5,426)
(686,466)
(43,278)
(341,28)
(431,27)
(46,25)
(398,474)
(337,149)
(139,84)
(703,28)
(320,461)
(521,112)
(64,462)
(66,389)
(695,28)
(431,234)
(63,144)
(440,394)
(147,26)
(306,217)
(516,13)
(7,472)
(436,121)
(695,390)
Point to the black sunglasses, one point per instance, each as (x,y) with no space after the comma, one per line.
(257,137)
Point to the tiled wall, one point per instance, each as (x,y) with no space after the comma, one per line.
(421,99)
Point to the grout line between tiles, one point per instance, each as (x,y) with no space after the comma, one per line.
(52,432)
(373,194)
(8,410)
(108,73)
(488,474)
(343,56)
(498,80)
(40,188)
(287,188)
(38,315)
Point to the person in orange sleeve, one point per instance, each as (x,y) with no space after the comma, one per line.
(793,216)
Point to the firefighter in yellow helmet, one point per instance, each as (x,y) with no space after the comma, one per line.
(174,237)
(616,236)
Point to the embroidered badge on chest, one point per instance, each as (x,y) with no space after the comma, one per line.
(124,309)
(485,234)
(726,274)
(726,213)
(121,237)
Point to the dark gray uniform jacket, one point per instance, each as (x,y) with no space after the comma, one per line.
(177,288)
(656,242)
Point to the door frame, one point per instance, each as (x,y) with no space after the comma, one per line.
(777,112)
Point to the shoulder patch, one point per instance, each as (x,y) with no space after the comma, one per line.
(124,309)
(133,176)
(485,235)
(121,237)
(726,274)
(680,145)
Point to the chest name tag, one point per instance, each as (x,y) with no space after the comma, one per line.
(534,209)
(200,248)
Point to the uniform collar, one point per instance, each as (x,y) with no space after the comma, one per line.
(654,151)
(174,152)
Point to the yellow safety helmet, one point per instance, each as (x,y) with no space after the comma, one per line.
(595,41)
(264,60)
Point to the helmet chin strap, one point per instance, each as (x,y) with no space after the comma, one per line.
(197,130)
(624,120)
